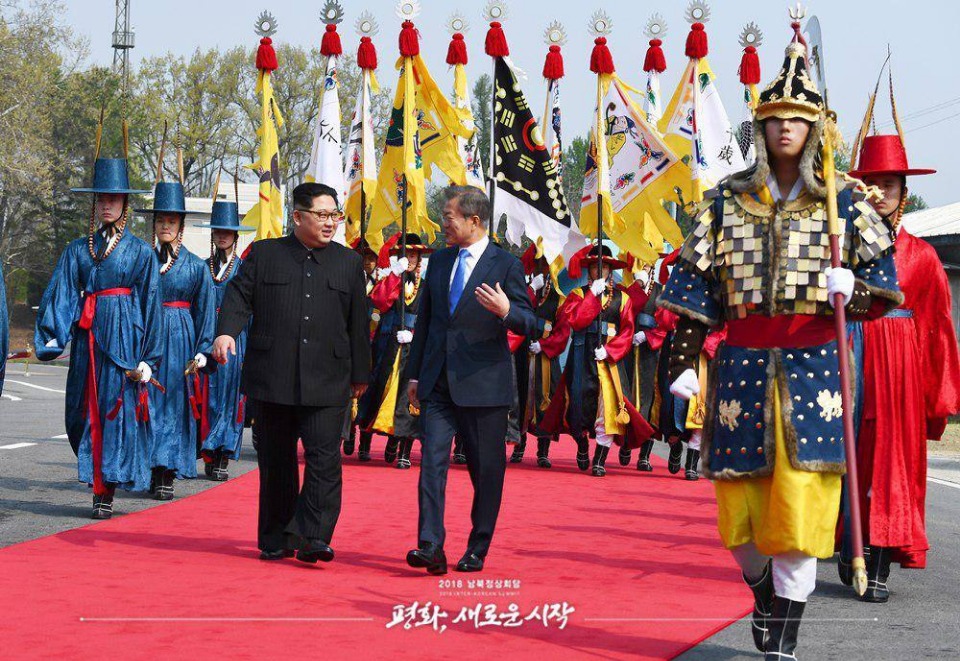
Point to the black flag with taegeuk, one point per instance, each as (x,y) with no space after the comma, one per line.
(528,188)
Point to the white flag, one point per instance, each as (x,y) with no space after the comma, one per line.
(653,106)
(361,168)
(326,158)
(696,125)
(552,137)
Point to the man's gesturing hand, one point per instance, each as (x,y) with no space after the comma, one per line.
(223,347)
(495,300)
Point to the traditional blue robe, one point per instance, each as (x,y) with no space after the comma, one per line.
(126,330)
(4,329)
(187,331)
(224,397)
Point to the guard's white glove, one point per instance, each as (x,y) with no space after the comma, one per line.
(639,338)
(145,372)
(839,281)
(535,348)
(200,360)
(404,337)
(52,344)
(538,282)
(398,266)
(686,386)
(382,273)
(600,353)
(598,286)
(644,277)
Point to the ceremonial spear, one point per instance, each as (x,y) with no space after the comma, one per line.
(840,317)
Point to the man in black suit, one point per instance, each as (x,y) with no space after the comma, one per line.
(308,352)
(461,369)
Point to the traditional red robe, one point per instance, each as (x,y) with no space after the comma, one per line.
(911,385)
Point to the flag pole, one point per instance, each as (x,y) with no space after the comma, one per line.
(367,61)
(495,46)
(601,63)
(409,47)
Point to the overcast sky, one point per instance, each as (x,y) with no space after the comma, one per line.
(856,34)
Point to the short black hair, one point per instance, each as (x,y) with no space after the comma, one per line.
(304,194)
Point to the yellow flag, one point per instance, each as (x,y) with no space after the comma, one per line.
(401,158)
(361,170)
(439,124)
(267,214)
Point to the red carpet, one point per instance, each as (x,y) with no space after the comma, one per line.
(635,555)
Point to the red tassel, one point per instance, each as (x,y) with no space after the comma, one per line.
(383,258)
(266,56)
(697,41)
(601,61)
(409,42)
(496,42)
(575,268)
(529,257)
(553,66)
(457,51)
(750,67)
(655,60)
(330,44)
(366,54)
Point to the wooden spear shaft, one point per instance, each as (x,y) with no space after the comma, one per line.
(840,320)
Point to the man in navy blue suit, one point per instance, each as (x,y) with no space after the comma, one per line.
(461,370)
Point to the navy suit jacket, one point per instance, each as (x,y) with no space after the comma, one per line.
(470,344)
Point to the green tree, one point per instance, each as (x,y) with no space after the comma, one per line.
(574,166)
(482,111)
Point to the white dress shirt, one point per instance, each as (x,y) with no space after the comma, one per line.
(473,256)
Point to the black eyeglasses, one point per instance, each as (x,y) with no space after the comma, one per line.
(335,217)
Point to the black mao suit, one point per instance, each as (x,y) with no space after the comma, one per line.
(308,342)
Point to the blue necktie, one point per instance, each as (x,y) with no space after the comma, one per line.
(459,279)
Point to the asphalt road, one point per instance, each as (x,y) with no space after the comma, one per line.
(39,496)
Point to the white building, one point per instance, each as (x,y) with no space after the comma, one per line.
(940,227)
(197,239)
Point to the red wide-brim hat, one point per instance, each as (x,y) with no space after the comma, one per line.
(885,154)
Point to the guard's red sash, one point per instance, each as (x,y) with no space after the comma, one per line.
(93,412)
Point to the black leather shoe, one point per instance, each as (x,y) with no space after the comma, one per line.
(430,557)
(315,552)
(470,562)
(277,554)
